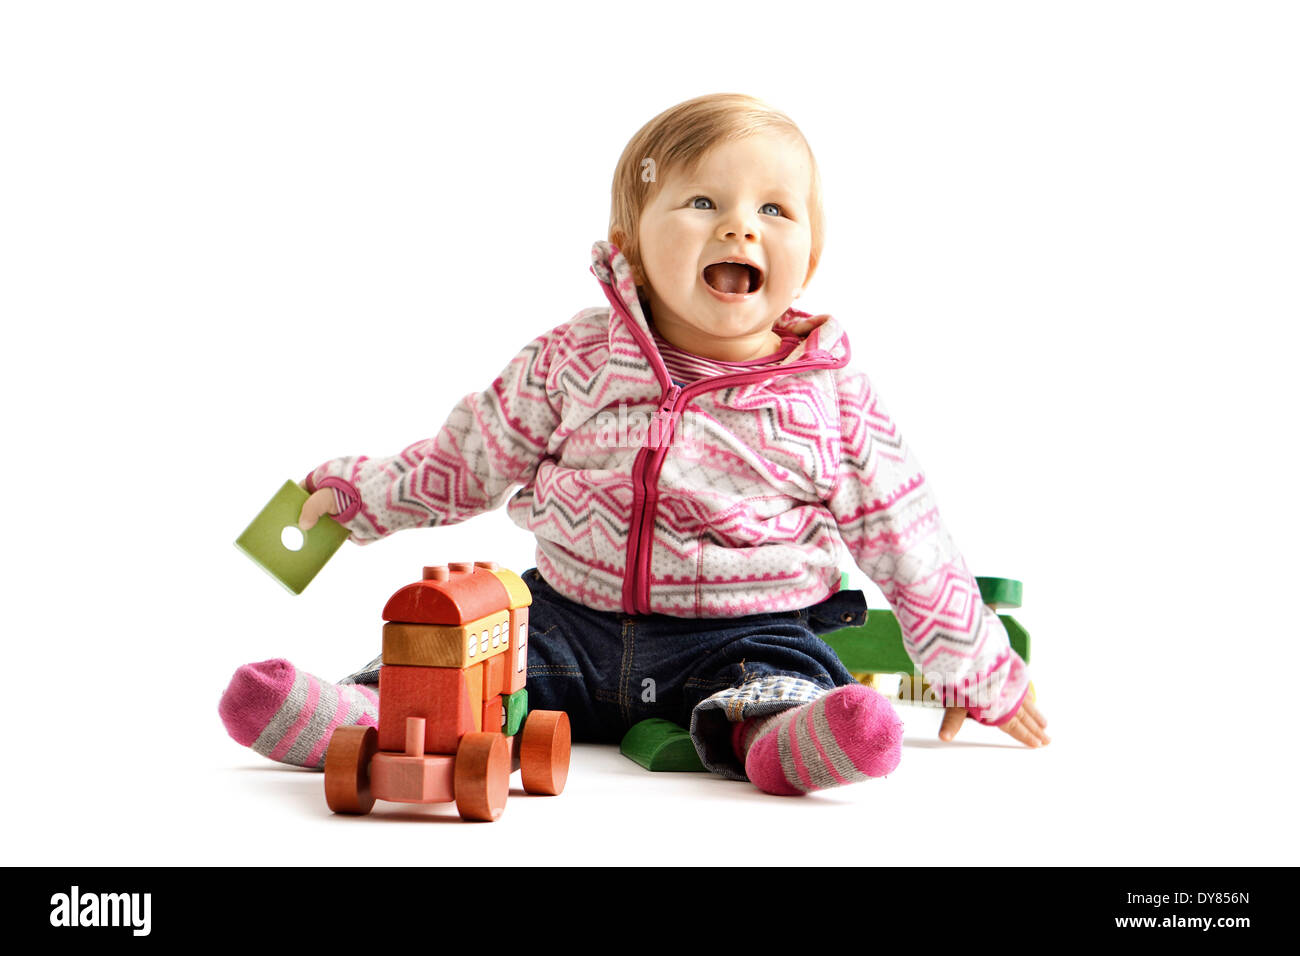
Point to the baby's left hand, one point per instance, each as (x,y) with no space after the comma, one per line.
(1027,726)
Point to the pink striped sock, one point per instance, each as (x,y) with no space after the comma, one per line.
(848,735)
(288,715)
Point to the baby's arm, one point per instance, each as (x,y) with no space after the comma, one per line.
(491,441)
(888,518)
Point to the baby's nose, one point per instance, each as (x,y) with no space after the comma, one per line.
(739,226)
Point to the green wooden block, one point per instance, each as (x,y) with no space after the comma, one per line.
(1019,636)
(877,646)
(262,541)
(516,711)
(1000,592)
(660,745)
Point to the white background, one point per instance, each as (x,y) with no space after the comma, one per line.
(237,239)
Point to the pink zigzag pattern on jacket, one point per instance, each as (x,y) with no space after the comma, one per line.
(864,425)
(791,420)
(941,606)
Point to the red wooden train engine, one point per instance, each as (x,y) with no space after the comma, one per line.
(453,711)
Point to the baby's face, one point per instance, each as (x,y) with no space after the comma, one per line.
(746,200)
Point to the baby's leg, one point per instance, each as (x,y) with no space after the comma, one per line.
(785,712)
(289,715)
(848,734)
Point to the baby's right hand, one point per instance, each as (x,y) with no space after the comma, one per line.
(323,501)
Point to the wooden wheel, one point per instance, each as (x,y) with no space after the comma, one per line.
(347,769)
(544,751)
(482,776)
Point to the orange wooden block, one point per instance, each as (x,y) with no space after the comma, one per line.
(494,715)
(428,778)
(544,751)
(494,671)
(450,595)
(517,664)
(438,694)
(474,687)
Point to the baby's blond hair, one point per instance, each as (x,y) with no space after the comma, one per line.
(678,138)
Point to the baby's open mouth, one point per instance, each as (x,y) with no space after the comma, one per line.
(733,277)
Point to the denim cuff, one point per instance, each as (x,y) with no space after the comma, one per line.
(713,717)
(367,675)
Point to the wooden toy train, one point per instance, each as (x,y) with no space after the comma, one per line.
(453,710)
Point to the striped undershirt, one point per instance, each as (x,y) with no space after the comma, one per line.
(685,368)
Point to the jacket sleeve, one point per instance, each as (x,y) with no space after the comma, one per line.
(888,518)
(492,441)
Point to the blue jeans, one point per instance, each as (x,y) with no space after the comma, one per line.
(608,671)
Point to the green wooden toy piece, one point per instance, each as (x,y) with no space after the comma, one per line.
(261,540)
(877,646)
(999,593)
(516,711)
(1019,636)
(659,744)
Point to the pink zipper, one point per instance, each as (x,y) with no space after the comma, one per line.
(643,489)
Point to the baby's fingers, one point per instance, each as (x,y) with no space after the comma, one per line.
(952,721)
(321,502)
(1025,729)
(1032,710)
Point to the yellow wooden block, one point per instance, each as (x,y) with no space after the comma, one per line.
(520,596)
(430,645)
(884,684)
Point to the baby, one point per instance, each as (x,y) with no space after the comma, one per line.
(689,456)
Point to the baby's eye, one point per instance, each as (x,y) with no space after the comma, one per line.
(771,205)
(695,203)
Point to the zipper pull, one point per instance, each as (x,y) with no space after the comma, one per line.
(670,399)
(662,430)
